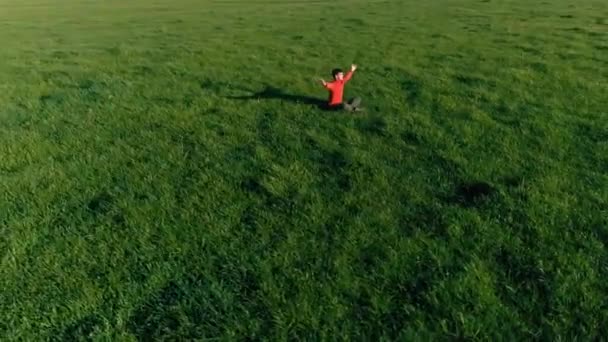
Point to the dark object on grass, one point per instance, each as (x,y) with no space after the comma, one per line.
(469,194)
(101,203)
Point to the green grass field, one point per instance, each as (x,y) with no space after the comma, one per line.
(144,197)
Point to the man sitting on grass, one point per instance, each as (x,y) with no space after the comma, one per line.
(336,91)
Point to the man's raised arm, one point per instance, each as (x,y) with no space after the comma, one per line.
(349,75)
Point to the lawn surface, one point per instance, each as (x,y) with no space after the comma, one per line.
(163,174)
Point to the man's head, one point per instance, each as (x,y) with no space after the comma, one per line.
(338,74)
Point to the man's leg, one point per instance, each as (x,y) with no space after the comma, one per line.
(352,105)
(356,103)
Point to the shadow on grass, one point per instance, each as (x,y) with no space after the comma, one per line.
(272,93)
(196,307)
(85,327)
(473,194)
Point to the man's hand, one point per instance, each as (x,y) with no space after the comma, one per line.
(322,82)
(353,67)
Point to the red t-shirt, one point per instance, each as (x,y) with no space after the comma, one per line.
(336,89)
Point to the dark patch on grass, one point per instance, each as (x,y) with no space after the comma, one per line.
(471,29)
(273,93)
(594,34)
(139,266)
(242,156)
(469,80)
(60,77)
(270,202)
(446,58)
(375,125)
(601,47)
(525,285)
(574,30)
(140,196)
(196,307)
(214,110)
(448,168)
(472,81)
(600,231)
(59,54)
(297,37)
(539,67)
(52,99)
(424,219)
(357,22)
(95,272)
(334,165)
(159,315)
(568,56)
(119,220)
(595,133)
(439,36)
(90,90)
(484,27)
(414,288)
(83,329)
(101,203)
(371,256)
(248,218)
(436,107)
(412,138)
(360,309)
(265,128)
(498,109)
(473,193)
(566,16)
(210,85)
(114,51)
(187,100)
(86,84)
(531,50)
(335,227)
(163,100)
(252,185)
(143,70)
(500,41)
(413,90)
(513,181)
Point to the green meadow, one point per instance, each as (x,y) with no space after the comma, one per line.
(166,175)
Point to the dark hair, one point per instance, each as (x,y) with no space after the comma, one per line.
(336,72)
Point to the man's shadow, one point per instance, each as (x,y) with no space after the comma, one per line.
(270,93)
